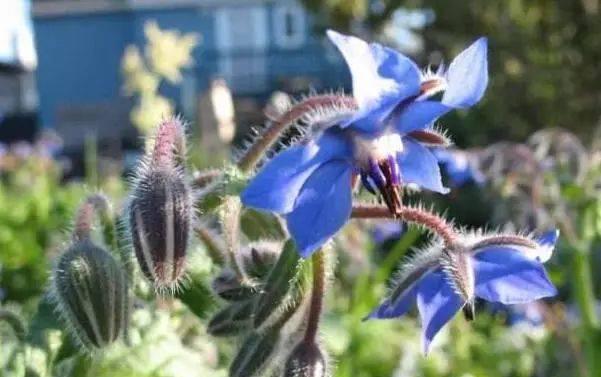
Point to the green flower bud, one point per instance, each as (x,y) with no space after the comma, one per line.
(259,257)
(228,286)
(91,292)
(233,319)
(281,279)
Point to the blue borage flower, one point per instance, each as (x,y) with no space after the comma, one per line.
(387,230)
(498,268)
(459,166)
(384,141)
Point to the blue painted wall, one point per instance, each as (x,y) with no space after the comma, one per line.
(79,55)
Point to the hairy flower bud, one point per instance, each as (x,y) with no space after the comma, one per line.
(160,211)
(91,292)
(279,282)
(233,319)
(259,257)
(306,360)
(229,287)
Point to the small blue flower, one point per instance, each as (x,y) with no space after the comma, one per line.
(387,230)
(459,166)
(310,184)
(503,269)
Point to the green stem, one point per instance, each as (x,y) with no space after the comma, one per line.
(319,286)
(585,297)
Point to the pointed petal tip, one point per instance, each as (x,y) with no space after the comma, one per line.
(467,76)
(426,343)
(333,34)
(370,316)
(482,41)
(549,238)
(305,251)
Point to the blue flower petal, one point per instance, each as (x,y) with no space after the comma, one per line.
(381,78)
(418,115)
(323,206)
(419,166)
(277,185)
(506,275)
(549,239)
(437,303)
(467,76)
(458,167)
(402,303)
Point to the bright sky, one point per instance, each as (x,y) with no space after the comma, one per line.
(16,33)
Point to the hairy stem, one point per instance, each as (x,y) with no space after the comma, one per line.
(94,205)
(432,221)
(206,177)
(214,245)
(272,133)
(317,293)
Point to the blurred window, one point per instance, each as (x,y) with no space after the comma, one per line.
(289,25)
(241,38)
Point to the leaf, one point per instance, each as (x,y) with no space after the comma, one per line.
(259,225)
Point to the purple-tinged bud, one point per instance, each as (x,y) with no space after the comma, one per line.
(306,360)
(160,211)
(91,292)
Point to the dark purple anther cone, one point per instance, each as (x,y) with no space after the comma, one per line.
(395,177)
(376,173)
(368,183)
(385,176)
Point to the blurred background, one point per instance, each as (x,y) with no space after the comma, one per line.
(82,81)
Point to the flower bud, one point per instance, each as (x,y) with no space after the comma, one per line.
(280,281)
(228,286)
(91,292)
(232,320)
(259,257)
(306,360)
(160,212)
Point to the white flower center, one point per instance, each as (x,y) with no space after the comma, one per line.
(378,148)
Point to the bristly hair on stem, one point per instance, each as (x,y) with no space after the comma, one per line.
(95,205)
(316,109)
(419,216)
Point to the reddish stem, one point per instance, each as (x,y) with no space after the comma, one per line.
(271,134)
(430,220)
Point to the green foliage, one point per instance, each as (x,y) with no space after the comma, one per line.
(34,211)
(542,63)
